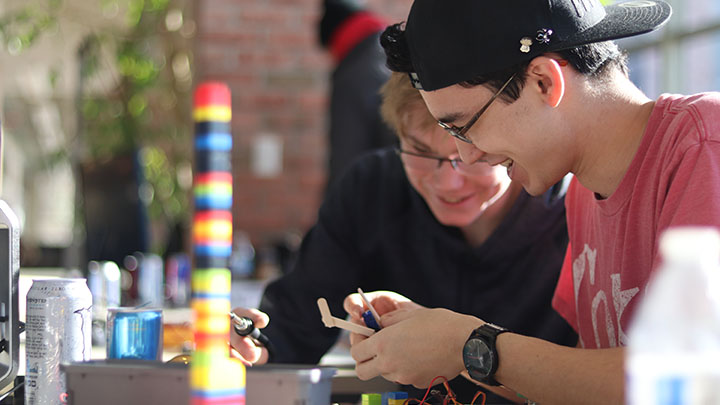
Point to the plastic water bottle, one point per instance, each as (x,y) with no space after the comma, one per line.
(673,354)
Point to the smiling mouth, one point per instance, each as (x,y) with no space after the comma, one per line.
(454,200)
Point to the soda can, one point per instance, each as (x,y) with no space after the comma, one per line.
(134,333)
(57,330)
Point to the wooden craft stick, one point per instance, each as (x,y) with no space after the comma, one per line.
(332,322)
(370,307)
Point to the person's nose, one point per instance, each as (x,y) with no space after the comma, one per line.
(469,153)
(447,177)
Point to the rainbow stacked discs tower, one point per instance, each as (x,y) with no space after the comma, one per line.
(215,378)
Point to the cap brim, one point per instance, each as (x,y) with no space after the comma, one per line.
(622,20)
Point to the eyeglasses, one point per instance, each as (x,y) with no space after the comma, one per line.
(459,132)
(427,163)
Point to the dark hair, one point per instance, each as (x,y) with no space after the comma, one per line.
(396,49)
(594,60)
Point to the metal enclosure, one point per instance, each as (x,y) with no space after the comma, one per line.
(9,271)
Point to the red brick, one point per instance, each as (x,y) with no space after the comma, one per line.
(268,53)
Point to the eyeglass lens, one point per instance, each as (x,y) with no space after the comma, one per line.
(430,163)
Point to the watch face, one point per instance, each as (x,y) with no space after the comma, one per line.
(478,358)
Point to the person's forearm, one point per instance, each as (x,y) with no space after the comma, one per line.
(551,374)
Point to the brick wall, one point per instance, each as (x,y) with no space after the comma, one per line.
(267,52)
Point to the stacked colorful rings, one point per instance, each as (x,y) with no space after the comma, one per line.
(214,377)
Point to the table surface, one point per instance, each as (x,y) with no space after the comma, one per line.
(345,383)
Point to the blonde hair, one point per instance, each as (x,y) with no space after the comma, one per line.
(399,97)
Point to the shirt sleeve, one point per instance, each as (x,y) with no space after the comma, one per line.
(327,266)
(693,188)
(691,191)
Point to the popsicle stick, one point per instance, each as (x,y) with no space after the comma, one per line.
(370,307)
(334,322)
(327,317)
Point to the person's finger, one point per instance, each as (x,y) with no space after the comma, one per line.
(386,301)
(356,338)
(259,318)
(396,316)
(234,354)
(354,306)
(239,311)
(384,304)
(364,350)
(246,348)
(367,369)
(409,305)
(250,352)
(238,342)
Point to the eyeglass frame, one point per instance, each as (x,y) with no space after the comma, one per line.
(440,159)
(459,132)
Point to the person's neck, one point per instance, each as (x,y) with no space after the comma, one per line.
(613,123)
(480,230)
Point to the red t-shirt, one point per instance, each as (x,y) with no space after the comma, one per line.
(674,179)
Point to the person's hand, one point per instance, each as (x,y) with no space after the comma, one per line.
(244,348)
(415,346)
(383,302)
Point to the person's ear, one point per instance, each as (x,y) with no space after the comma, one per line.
(548,76)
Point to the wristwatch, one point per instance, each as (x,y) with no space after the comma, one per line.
(480,355)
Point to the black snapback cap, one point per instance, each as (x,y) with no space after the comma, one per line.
(451,41)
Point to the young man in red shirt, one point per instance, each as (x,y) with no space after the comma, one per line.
(537,87)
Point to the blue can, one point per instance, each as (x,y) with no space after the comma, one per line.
(134,334)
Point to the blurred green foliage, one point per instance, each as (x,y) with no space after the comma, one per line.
(21,28)
(144,109)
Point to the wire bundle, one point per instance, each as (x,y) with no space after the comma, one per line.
(447,399)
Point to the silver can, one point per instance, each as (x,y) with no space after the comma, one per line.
(57,330)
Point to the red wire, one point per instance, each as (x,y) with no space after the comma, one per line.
(477,394)
(450,394)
